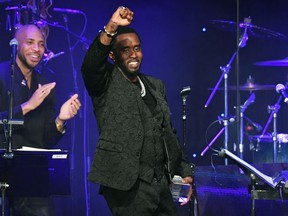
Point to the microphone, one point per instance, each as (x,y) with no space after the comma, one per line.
(185,91)
(184,94)
(281,89)
(249,101)
(13,43)
(244,37)
(66,10)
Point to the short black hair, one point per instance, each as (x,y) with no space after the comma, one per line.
(123,30)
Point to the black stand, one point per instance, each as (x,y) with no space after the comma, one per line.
(184,94)
(8,123)
(34,174)
(8,133)
(193,204)
(275,184)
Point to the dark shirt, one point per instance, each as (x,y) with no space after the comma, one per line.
(38,129)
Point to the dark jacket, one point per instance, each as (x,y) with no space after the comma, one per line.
(117,106)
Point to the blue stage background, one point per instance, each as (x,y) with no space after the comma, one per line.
(182,47)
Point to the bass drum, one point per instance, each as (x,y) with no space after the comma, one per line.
(263,151)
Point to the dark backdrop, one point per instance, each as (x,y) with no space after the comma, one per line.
(177,50)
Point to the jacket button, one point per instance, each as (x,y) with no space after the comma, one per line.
(137,154)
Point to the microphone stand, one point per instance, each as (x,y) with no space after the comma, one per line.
(9,123)
(9,153)
(193,203)
(184,119)
(184,94)
(225,70)
(220,119)
(273,110)
(76,88)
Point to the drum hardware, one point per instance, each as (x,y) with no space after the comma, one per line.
(221,120)
(280,62)
(273,110)
(252,30)
(243,108)
(250,85)
(22,15)
(225,71)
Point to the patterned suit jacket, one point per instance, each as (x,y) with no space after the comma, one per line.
(117,106)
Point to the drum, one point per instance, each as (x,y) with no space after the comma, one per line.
(263,151)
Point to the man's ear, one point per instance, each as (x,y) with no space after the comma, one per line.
(112,56)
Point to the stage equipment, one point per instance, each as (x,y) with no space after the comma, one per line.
(250,85)
(252,30)
(184,94)
(262,146)
(8,123)
(248,29)
(276,185)
(243,108)
(33,173)
(281,89)
(279,62)
(178,189)
(273,110)
(225,71)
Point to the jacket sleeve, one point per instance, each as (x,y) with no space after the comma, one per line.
(96,69)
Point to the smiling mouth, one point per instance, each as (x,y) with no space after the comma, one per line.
(133,64)
(34,58)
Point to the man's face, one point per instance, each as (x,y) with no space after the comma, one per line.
(31,47)
(127,53)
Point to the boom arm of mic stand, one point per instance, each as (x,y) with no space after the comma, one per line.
(271,116)
(212,142)
(225,70)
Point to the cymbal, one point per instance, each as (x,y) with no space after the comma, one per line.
(250,87)
(253,87)
(252,29)
(280,62)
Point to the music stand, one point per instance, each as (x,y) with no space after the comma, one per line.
(277,182)
(35,174)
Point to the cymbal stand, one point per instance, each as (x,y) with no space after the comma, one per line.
(273,110)
(225,70)
(243,108)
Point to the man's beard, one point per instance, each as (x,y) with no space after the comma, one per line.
(24,62)
(131,75)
